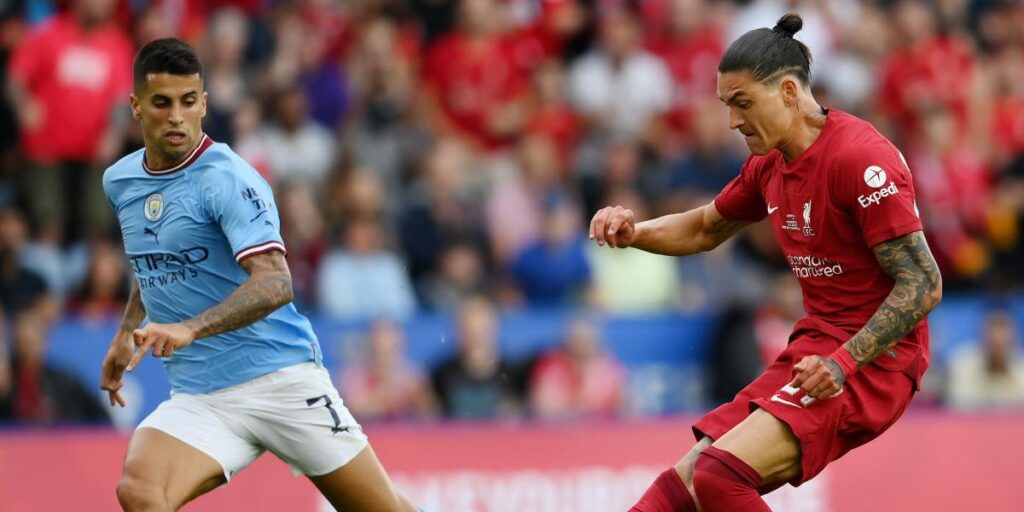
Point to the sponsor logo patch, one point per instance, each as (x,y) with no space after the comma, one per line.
(813,266)
(874,176)
(877,196)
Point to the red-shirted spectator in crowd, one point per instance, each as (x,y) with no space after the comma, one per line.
(550,115)
(578,380)
(1007,129)
(473,86)
(545,39)
(928,68)
(383,384)
(954,185)
(69,84)
(1007,134)
(690,49)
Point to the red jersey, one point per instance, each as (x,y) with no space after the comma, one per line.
(77,77)
(848,192)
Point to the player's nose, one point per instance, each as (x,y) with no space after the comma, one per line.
(176,114)
(735,119)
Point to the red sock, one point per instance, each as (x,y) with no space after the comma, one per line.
(668,493)
(723,482)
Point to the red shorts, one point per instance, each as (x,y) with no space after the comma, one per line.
(870,402)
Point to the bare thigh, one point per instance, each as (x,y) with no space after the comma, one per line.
(362,485)
(157,462)
(766,444)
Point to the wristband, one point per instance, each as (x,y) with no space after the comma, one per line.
(845,361)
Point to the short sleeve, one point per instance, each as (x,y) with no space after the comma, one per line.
(242,203)
(874,184)
(742,199)
(108,188)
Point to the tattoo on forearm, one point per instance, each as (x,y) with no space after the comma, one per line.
(134,312)
(917,291)
(256,298)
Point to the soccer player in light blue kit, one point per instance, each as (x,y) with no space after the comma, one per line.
(200,229)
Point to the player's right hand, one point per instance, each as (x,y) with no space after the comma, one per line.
(613,225)
(118,356)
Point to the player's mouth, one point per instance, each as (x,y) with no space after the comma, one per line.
(175,138)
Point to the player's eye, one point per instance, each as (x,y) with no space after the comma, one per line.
(743,105)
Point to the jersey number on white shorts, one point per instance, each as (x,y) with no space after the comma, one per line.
(334,414)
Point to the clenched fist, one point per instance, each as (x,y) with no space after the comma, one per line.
(613,225)
(820,377)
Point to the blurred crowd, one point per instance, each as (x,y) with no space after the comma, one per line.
(446,155)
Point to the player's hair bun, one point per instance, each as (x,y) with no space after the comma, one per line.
(789,24)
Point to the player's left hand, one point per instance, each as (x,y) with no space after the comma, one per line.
(819,377)
(162,339)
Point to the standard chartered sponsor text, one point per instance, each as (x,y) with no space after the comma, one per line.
(813,266)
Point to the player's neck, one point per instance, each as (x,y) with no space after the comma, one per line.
(807,130)
(156,162)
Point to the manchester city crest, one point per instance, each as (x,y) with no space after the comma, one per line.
(154,207)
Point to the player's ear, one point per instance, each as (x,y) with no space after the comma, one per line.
(790,90)
(136,107)
(204,103)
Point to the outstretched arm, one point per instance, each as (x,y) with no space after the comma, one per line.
(679,234)
(269,287)
(918,289)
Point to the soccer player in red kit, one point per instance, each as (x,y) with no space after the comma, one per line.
(840,200)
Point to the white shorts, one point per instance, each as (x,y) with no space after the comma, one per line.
(294,412)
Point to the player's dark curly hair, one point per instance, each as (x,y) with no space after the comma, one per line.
(169,55)
(770,53)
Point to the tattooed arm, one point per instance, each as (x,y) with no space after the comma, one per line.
(134,312)
(269,287)
(917,290)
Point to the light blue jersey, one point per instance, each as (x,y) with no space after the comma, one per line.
(185,230)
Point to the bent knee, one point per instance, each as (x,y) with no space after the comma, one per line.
(717,470)
(136,495)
